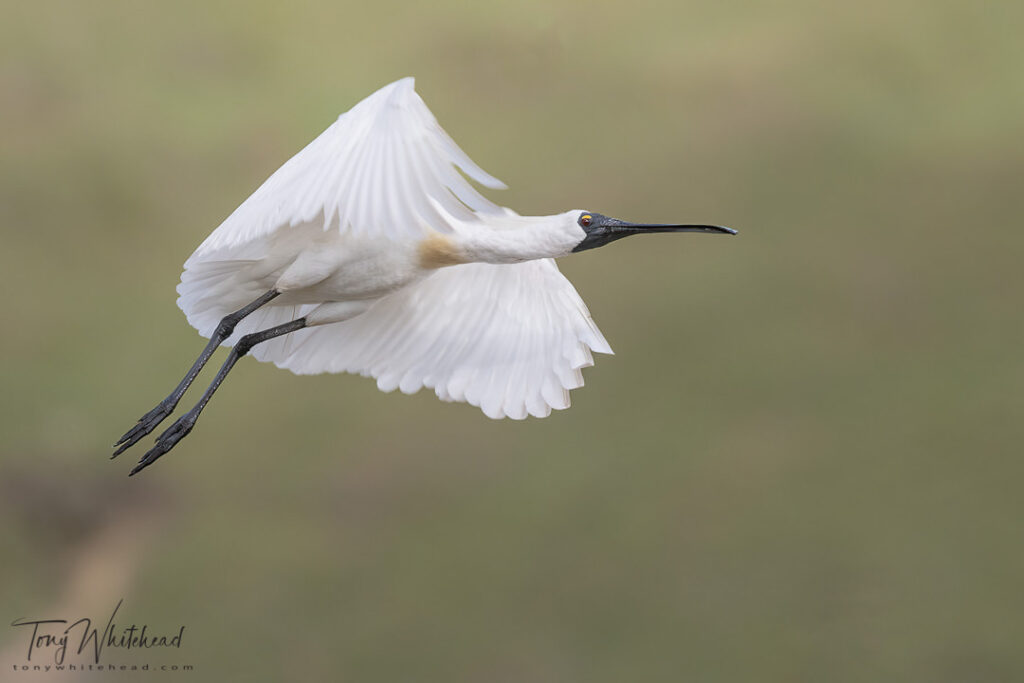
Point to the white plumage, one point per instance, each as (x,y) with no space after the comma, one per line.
(369,252)
(509,338)
(385,169)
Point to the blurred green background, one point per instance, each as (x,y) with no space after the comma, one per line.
(803,463)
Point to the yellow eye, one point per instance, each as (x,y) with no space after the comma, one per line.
(585,219)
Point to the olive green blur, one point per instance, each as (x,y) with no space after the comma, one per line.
(803,464)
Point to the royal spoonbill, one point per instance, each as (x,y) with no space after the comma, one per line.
(368,252)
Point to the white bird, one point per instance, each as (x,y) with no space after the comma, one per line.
(368,252)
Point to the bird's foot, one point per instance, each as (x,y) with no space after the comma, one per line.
(166,441)
(145,425)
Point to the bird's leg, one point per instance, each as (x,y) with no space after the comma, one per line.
(180,429)
(150,420)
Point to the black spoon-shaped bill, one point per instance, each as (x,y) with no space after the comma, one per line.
(602,229)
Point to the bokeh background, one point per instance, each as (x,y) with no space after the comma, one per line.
(803,464)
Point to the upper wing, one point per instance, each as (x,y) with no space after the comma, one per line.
(385,169)
(510,339)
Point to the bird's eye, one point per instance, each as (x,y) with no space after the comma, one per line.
(586,219)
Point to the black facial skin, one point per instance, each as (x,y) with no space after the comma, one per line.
(601,229)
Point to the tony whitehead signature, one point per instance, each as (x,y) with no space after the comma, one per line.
(51,635)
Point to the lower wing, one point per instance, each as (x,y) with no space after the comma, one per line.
(510,339)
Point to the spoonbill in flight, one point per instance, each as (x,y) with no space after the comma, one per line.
(368,252)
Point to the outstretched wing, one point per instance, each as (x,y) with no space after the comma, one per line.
(510,339)
(385,169)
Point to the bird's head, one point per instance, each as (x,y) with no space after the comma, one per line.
(596,230)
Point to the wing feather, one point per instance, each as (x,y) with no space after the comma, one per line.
(380,170)
(510,339)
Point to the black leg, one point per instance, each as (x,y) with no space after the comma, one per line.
(180,429)
(150,420)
